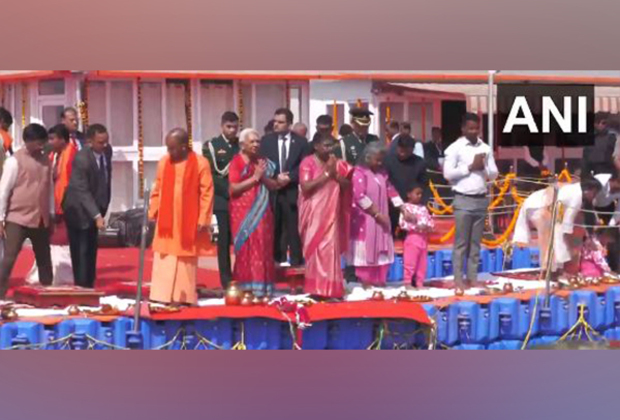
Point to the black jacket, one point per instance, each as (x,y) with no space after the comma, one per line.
(404,175)
(297,151)
(432,155)
(86,195)
(598,158)
(224,152)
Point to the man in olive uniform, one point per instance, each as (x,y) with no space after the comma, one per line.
(220,151)
(352,145)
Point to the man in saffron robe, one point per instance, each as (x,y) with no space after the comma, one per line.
(6,120)
(61,159)
(324,215)
(182,205)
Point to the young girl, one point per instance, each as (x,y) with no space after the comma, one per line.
(593,262)
(417,222)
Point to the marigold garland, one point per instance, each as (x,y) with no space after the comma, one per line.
(240,107)
(188,113)
(24,94)
(335,120)
(499,241)
(439,200)
(83,106)
(565,175)
(140,142)
(503,190)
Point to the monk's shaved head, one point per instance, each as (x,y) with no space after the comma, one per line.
(177,142)
(180,135)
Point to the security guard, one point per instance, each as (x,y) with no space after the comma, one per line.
(220,151)
(352,145)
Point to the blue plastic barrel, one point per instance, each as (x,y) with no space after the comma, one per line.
(505,345)
(469,323)
(350,334)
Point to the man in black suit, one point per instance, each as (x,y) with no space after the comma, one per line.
(434,151)
(598,158)
(69,118)
(286,149)
(86,202)
(405,170)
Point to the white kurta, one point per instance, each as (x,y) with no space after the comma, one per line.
(536,210)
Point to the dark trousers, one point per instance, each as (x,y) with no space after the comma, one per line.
(223,247)
(83,246)
(287,231)
(15,237)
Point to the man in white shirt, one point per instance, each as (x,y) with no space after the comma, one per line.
(469,164)
(536,211)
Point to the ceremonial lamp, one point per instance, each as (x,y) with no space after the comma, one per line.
(134,336)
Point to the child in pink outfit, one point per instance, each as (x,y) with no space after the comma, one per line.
(593,262)
(417,222)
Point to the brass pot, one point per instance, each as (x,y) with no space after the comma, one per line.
(8,313)
(403,296)
(377,295)
(247,299)
(73,310)
(233,294)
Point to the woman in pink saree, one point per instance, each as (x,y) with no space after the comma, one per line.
(324,209)
(371,247)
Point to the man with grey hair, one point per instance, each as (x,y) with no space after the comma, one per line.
(300,129)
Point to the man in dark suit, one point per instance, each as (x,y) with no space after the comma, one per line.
(286,149)
(69,118)
(598,158)
(405,170)
(220,151)
(434,151)
(86,202)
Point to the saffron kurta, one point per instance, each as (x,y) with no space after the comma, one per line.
(175,264)
(323,225)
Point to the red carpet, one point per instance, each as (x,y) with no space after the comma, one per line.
(113,265)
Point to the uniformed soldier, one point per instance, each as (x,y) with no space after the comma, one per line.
(220,151)
(352,145)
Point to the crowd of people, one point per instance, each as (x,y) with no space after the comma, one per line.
(280,199)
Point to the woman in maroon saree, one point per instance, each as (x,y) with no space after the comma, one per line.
(324,208)
(251,217)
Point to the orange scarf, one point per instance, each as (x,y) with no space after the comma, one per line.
(189,205)
(63,174)
(7,140)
